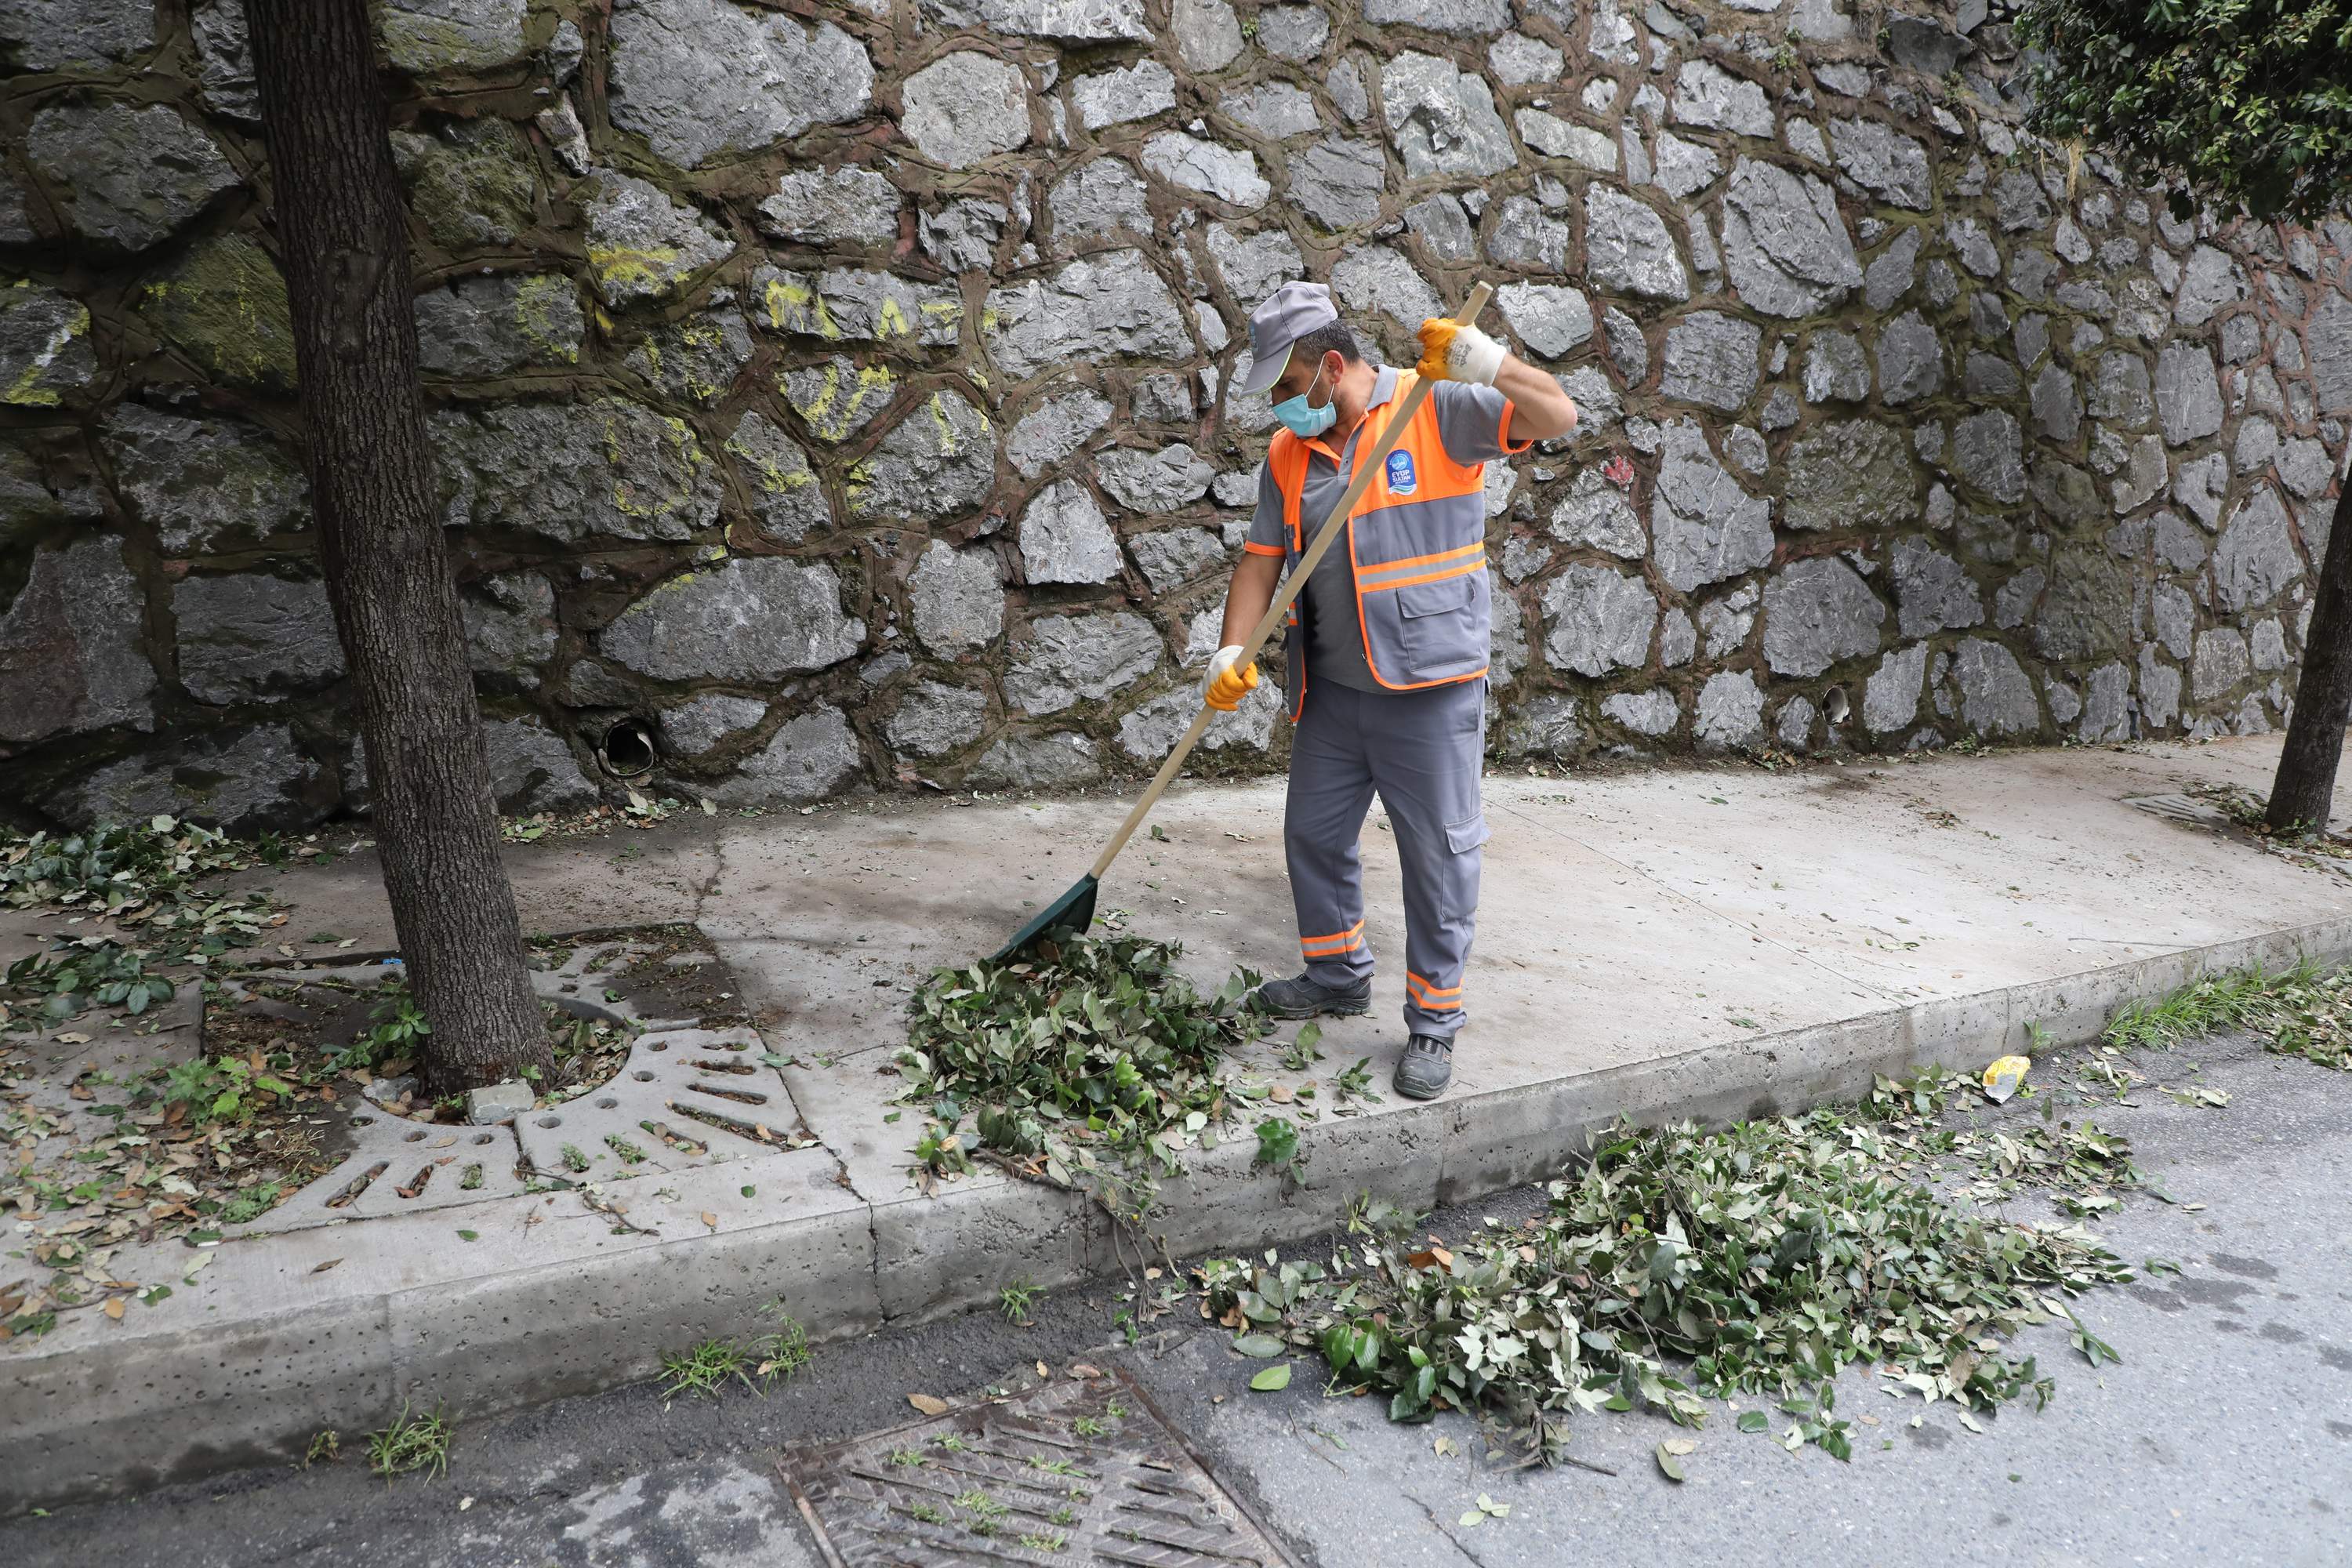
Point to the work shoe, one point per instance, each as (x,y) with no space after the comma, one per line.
(1425,1069)
(1304,998)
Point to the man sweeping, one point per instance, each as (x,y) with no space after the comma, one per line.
(1387,646)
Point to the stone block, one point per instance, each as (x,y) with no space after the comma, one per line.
(1338,183)
(126,178)
(957,599)
(2188,393)
(1883,160)
(1065,538)
(74,35)
(1704,526)
(1166,480)
(934,719)
(812,756)
(1996,695)
(1059,761)
(1652,713)
(705,81)
(241,779)
(1910,360)
(744,619)
(1442,118)
(1067,658)
(1933,591)
(1890,698)
(641,244)
(1708,95)
(1988,455)
(1836,370)
(1106,306)
(249,638)
(1730,712)
(224,306)
(2255,560)
(1227,175)
(831,206)
(1628,249)
(702,723)
(1849,474)
(1595,513)
(495,325)
(1711,358)
(1054,429)
(965,108)
(1551,319)
(573,471)
(938,461)
(1819,613)
(70,660)
(202,483)
(499,1103)
(1599,620)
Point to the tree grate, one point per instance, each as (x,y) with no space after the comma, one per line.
(1078,1471)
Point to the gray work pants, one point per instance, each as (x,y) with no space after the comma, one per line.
(1420,752)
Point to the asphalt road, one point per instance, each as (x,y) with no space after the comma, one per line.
(2224,1435)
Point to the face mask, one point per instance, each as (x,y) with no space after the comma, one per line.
(1304,422)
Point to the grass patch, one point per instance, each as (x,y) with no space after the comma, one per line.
(2304,1012)
(410,1444)
(758,1362)
(1092,1065)
(1016,1301)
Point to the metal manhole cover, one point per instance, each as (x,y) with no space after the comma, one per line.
(1076,1472)
(2182,808)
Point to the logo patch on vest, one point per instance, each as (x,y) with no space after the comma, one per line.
(1401,479)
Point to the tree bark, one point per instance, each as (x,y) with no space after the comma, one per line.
(344,238)
(2303,792)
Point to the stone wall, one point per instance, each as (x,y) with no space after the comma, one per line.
(838,390)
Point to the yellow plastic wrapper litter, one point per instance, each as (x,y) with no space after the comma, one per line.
(2005,1076)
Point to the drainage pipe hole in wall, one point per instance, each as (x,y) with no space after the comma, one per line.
(628,749)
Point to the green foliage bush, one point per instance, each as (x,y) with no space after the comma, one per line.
(2248,101)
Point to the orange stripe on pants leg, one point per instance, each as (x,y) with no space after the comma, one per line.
(1337,942)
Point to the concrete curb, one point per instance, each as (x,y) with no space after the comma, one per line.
(285,1349)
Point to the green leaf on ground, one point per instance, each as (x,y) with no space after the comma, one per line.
(1272,1379)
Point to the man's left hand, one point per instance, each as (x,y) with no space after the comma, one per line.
(1451,351)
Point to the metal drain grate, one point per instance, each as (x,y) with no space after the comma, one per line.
(1076,1472)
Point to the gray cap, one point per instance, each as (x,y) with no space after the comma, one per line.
(1288,314)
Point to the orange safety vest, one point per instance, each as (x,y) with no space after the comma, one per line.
(1418,542)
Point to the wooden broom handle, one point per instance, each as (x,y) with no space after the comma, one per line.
(1287,591)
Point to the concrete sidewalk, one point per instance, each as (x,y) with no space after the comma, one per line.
(1706,943)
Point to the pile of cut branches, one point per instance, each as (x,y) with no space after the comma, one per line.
(1091,1064)
(1678,1265)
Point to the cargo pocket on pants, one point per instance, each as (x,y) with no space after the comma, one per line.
(1462,837)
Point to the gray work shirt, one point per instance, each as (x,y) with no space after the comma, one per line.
(1470,421)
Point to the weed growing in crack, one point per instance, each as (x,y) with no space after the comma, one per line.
(1014,1301)
(410,1444)
(758,1362)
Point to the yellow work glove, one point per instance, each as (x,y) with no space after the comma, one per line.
(1226,685)
(1452,352)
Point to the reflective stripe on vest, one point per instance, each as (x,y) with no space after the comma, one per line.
(1418,542)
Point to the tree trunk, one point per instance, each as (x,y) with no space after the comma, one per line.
(2303,792)
(345,239)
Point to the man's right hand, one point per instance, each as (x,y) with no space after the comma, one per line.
(1226,685)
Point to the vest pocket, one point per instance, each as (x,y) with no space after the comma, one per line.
(1439,630)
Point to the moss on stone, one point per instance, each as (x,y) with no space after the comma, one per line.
(224,308)
(472,186)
